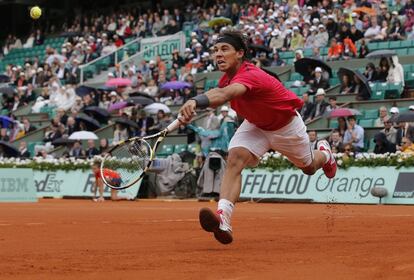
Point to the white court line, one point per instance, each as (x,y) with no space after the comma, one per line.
(4,225)
(34,224)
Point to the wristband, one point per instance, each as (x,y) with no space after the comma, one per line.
(202,101)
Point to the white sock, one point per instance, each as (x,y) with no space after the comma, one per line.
(227,207)
(327,155)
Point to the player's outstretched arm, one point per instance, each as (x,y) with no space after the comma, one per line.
(212,98)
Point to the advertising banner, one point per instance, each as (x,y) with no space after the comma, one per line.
(16,185)
(349,186)
(72,183)
(162,46)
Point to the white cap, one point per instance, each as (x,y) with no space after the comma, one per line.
(331,17)
(195,61)
(395,13)
(354,15)
(198,45)
(309,7)
(322,11)
(252,28)
(411,108)
(194,41)
(27,65)
(394,110)
(320,91)
(214,37)
(113,93)
(187,50)
(315,21)
(224,109)
(32,72)
(111,75)
(313,28)
(321,26)
(257,33)
(152,62)
(261,26)
(318,69)
(14,69)
(22,74)
(40,69)
(324,17)
(295,28)
(275,33)
(205,54)
(193,34)
(288,31)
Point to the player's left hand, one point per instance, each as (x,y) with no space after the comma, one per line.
(187,111)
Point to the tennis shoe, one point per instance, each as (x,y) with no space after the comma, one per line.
(216,223)
(330,167)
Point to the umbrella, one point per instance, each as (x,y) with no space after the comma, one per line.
(84,90)
(97,112)
(144,101)
(53,57)
(83,135)
(105,88)
(352,73)
(4,79)
(219,21)
(8,90)
(91,123)
(403,117)
(175,85)
(127,122)
(271,73)
(302,66)
(62,141)
(155,107)
(365,10)
(118,106)
(6,121)
(9,150)
(118,82)
(134,93)
(342,112)
(381,53)
(260,48)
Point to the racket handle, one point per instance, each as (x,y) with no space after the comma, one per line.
(174,125)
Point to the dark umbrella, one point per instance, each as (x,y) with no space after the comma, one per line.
(97,112)
(8,90)
(175,85)
(381,53)
(84,90)
(403,117)
(260,48)
(104,88)
(91,123)
(6,121)
(352,73)
(302,66)
(144,101)
(9,150)
(62,141)
(127,122)
(142,94)
(4,79)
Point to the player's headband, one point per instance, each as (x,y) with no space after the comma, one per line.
(235,42)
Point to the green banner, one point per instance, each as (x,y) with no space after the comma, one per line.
(162,46)
(16,185)
(349,186)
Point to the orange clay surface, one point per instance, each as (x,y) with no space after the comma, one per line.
(79,239)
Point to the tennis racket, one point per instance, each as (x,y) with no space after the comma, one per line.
(126,162)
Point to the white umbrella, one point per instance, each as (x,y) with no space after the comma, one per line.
(155,107)
(83,135)
(52,58)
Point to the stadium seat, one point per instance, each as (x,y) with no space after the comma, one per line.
(393,91)
(406,44)
(31,147)
(402,52)
(334,81)
(180,148)
(366,122)
(193,148)
(378,91)
(371,114)
(394,45)
(210,84)
(370,145)
(386,45)
(295,76)
(333,123)
(166,150)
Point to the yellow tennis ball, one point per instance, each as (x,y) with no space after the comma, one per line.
(35,12)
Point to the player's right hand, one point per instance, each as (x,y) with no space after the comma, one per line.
(187,111)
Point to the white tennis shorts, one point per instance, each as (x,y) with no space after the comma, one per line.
(291,141)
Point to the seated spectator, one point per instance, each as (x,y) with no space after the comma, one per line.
(383,70)
(335,50)
(396,72)
(52,134)
(348,151)
(318,81)
(103,145)
(297,41)
(355,34)
(43,153)
(316,54)
(346,85)
(307,106)
(373,31)
(397,31)
(277,61)
(370,72)
(313,139)
(276,43)
(23,152)
(120,134)
(349,49)
(354,135)
(335,140)
(319,106)
(382,145)
(389,131)
(76,151)
(394,111)
(407,146)
(332,104)
(363,49)
(383,114)
(92,150)
(360,89)
(28,127)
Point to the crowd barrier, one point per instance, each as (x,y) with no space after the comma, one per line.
(352,185)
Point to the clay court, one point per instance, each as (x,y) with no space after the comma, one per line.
(78,239)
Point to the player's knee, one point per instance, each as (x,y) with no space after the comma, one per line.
(237,160)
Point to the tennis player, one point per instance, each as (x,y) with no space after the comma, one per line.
(270,122)
(110,176)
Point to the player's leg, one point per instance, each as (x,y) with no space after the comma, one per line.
(100,186)
(293,142)
(245,148)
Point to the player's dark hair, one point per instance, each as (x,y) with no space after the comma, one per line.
(96,163)
(235,38)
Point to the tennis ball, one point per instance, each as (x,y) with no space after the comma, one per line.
(35,12)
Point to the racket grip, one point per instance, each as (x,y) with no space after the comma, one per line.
(174,125)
